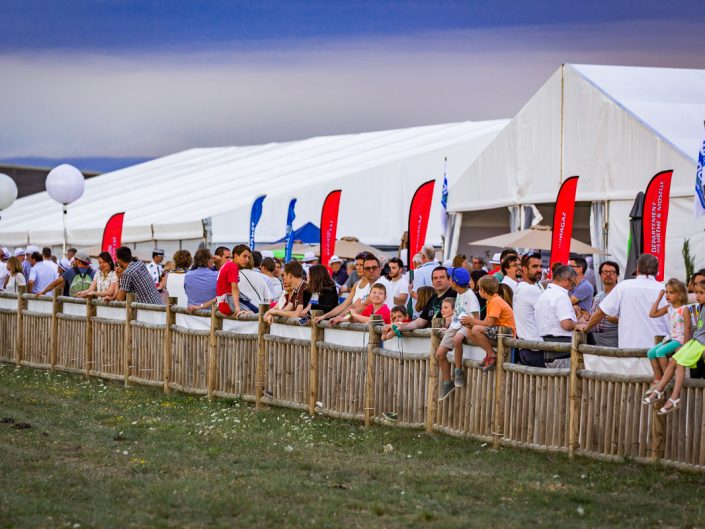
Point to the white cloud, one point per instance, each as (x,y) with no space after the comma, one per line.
(83,104)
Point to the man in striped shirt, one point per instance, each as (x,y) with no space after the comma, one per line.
(134,277)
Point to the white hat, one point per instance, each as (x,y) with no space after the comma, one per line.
(267,253)
(335,259)
(31,248)
(64,264)
(6,253)
(19,251)
(310,256)
(495,258)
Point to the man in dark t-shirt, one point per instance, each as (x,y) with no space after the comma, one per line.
(442,290)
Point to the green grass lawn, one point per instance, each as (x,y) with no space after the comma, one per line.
(100,455)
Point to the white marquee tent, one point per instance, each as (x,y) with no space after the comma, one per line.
(615,127)
(206,194)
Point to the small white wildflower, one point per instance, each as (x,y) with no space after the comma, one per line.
(388,449)
(288,448)
(580,510)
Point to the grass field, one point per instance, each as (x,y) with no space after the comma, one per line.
(100,455)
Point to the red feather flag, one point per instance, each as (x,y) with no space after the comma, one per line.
(329,225)
(419,213)
(656,202)
(563,222)
(112,234)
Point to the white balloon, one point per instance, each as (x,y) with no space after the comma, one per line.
(65,183)
(8,191)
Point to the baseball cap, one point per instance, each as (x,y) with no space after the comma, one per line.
(82,256)
(31,249)
(335,259)
(64,263)
(460,276)
(19,251)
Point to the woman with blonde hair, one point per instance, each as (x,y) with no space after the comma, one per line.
(16,278)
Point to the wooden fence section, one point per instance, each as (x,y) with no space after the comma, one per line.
(347,372)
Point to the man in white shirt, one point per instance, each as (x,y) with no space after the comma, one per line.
(631,301)
(554,313)
(268,267)
(155,268)
(511,269)
(46,257)
(254,285)
(400,285)
(422,274)
(526,295)
(41,275)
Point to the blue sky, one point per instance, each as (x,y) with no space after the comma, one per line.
(141,78)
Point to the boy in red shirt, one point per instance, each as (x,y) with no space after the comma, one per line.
(226,287)
(376,299)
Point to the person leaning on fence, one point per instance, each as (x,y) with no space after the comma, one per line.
(687,356)
(174,285)
(322,290)
(581,296)
(76,279)
(526,295)
(375,305)
(134,278)
(466,304)
(227,286)
(297,298)
(253,283)
(630,301)
(605,332)
(484,333)
(268,268)
(199,282)
(104,283)
(679,327)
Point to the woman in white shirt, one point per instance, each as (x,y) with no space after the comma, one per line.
(174,285)
(16,278)
(104,283)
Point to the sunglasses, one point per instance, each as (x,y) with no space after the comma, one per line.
(370,268)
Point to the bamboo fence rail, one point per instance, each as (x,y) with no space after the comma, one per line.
(346,372)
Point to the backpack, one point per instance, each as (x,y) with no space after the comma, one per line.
(80,282)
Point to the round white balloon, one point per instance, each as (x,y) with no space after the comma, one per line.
(65,183)
(8,191)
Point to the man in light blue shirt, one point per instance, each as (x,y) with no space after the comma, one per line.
(422,274)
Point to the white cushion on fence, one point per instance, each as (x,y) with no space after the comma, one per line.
(349,338)
(290,331)
(618,366)
(74,309)
(8,304)
(110,313)
(151,316)
(196,323)
(39,306)
(240,327)
(408,345)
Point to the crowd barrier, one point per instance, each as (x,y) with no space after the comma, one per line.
(347,372)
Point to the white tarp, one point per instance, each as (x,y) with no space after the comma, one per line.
(168,198)
(618,127)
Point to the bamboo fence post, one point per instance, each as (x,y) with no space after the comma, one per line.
(56,307)
(129,316)
(372,344)
(316,336)
(19,335)
(213,350)
(432,392)
(167,345)
(260,372)
(88,356)
(498,420)
(658,427)
(575,391)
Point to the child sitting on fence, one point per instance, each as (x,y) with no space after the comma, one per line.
(466,304)
(483,333)
(376,305)
(398,315)
(679,323)
(687,356)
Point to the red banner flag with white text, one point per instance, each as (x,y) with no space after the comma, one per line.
(419,213)
(329,225)
(112,234)
(656,202)
(563,222)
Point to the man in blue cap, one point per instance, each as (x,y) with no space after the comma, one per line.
(466,304)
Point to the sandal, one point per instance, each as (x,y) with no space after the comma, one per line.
(652,397)
(675,404)
(488,363)
(652,388)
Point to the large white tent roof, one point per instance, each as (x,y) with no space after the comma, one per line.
(169,198)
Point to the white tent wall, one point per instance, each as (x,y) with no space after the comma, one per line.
(619,127)
(167,199)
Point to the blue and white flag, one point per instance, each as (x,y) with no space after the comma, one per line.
(290,216)
(444,199)
(255,215)
(699,205)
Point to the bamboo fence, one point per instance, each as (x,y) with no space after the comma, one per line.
(347,372)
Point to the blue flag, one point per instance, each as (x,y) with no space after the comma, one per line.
(290,216)
(699,206)
(444,199)
(254,219)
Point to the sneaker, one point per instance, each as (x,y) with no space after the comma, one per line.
(390,416)
(446,390)
(459,378)
(488,363)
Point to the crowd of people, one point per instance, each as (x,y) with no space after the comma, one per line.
(513,294)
